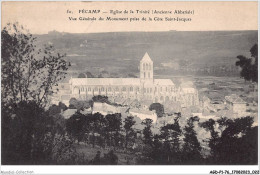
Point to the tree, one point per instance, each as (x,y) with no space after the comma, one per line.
(171,136)
(249,65)
(166,132)
(191,147)
(213,141)
(223,123)
(110,158)
(158,108)
(74,126)
(54,109)
(23,135)
(62,106)
(59,124)
(100,124)
(96,160)
(129,131)
(131,75)
(157,154)
(114,123)
(89,75)
(76,104)
(176,135)
(235,144)
(73,103)
(28,73)
(82,75)
(100,98)
(148,135)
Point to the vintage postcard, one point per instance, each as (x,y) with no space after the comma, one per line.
(141,87)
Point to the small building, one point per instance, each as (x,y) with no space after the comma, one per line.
(68,113)
(212,102)
(143,114)
(104,108)
(167,119)
(235,103)
(204,117)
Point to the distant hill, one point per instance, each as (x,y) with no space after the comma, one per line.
(173,52)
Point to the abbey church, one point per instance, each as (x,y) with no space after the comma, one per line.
(143,88)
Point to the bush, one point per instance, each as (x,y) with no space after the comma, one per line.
(158,108)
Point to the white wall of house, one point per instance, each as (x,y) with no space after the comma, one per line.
(239,108)
(143,116)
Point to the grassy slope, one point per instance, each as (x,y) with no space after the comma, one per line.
(118,52)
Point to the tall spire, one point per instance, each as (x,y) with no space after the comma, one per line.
(146,67)
(146,58)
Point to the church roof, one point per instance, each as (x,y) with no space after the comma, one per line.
(146,58)
(163,82)
(105,81)
(115,81)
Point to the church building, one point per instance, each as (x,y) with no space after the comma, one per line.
(144,88)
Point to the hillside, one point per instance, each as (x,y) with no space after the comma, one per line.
(173,52)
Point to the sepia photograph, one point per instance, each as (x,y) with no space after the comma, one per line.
(129,83)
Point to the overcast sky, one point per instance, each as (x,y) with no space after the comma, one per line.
(41,17)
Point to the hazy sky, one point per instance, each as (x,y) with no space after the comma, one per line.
(41,17)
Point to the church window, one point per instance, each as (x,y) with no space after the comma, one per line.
(89,89)
(117,89)
(150,89)
(143,66)
(144,90)
(131,89)
(161,98)
(137,89)
(124,88)
(144,74)
(109,89)
(161,89)
(155,89)
(102,89)
(146,66)
(96,89)
(166,89)
(148,74)
(147,90)
(150,66)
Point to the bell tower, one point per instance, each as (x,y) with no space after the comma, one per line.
(146,68)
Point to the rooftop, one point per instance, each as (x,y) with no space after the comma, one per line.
(115,81)
(141,111)
(146,58)
(235,99)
